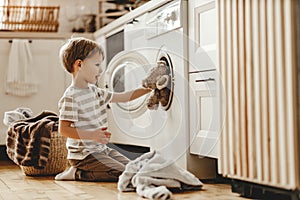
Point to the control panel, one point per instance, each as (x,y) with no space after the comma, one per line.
(164,19)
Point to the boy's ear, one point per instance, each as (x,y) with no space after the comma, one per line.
(77,64)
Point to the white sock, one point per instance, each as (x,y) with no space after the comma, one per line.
(68,175)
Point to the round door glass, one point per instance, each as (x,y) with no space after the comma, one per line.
(128,76)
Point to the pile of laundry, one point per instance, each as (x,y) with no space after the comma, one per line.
(28,137)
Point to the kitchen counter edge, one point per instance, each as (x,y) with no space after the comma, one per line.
(121,21)
(43,35)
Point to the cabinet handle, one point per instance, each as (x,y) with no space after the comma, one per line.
(205,80)
(199,71)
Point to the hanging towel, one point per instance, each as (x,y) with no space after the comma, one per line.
(20,80)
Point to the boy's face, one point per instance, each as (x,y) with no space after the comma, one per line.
(91,68)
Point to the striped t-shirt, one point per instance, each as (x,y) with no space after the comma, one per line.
(86,108)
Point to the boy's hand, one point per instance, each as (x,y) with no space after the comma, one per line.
(103,136)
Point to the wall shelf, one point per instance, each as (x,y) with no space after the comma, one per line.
(111,10)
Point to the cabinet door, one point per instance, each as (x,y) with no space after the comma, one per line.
(204,114)
(47,70)
(202,35)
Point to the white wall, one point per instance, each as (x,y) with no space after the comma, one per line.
(77,5)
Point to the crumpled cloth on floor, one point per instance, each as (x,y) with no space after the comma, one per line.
(153,177)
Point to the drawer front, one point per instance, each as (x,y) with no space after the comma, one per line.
(203,82)
(204,114)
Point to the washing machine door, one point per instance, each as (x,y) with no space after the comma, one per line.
(130,122)
(125,72)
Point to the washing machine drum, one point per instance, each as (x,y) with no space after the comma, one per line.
(125,72)
(164,57)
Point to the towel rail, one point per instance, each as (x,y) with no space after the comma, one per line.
(11,41)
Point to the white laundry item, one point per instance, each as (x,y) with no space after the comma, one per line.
(20,80)
(151,176)
(18,114)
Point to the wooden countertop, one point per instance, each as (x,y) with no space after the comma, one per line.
(43,35)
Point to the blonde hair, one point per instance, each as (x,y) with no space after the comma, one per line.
(78,48)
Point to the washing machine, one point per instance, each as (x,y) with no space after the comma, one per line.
(154,37)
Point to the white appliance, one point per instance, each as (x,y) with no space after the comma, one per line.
(154,36)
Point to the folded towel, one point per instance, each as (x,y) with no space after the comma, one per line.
(20,80)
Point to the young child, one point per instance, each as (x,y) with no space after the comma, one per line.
(83,117)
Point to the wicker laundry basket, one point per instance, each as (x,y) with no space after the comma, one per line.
(57,158)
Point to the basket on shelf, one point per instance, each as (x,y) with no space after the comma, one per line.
(29,18)
(57,158)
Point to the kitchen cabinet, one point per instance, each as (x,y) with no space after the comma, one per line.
(202,35)
(203,79)
(204,114)
(51,76)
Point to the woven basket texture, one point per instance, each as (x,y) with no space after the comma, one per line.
(57,158)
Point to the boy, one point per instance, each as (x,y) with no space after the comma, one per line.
(83,117)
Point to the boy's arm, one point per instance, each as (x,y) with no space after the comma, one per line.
(130,95)
(100,135)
